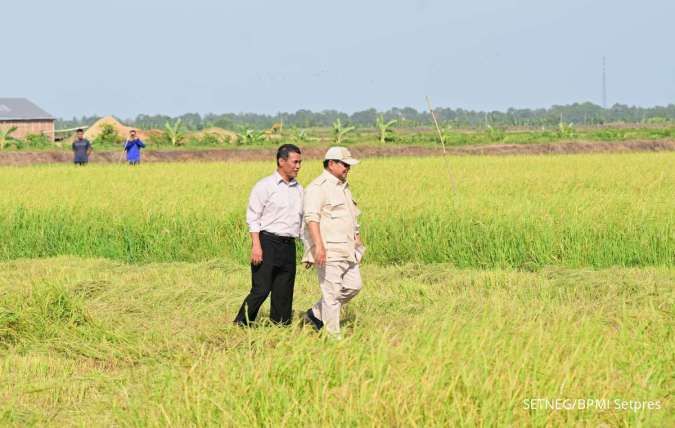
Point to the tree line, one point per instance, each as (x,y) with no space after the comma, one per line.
(577,113)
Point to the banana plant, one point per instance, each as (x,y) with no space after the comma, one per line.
(566,131)
(340,131)
(385,129)
(251,136)
(6,136)
(301,135)
(174,133)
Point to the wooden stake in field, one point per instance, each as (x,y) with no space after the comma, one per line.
(438,129)
(124,145)
(453,185)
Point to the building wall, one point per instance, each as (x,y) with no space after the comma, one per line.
(27,127)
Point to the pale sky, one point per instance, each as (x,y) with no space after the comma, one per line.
(125,57)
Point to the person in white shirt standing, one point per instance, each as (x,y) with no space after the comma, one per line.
(274,218)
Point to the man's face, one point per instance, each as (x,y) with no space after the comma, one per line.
(291,166)
(339,169)
(80,135)
(132,135)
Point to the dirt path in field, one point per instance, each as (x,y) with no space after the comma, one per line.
(29,158)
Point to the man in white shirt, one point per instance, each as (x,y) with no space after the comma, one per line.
(274,218)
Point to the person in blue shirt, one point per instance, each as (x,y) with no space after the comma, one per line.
(133,148)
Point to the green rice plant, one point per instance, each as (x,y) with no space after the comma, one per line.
(507,212)
(608,134)
(100,343)
(453,137)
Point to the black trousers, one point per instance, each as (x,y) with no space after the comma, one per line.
(276,274)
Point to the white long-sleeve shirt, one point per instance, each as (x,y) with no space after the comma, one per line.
(275,206)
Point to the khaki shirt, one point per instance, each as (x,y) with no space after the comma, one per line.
(329,202)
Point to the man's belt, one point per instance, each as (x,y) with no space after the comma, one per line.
(275,237)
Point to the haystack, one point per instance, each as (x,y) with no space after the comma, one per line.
(123,130)
(220,132)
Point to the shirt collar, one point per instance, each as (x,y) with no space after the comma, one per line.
(333,179)
(279,179)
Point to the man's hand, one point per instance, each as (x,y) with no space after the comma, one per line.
(357,240)
(256,254)
(319,255)
(256,249)
(318,250)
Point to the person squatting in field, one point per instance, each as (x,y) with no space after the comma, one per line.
(332,239)
(133,148)
(274,218)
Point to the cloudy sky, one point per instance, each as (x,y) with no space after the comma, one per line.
(127,57)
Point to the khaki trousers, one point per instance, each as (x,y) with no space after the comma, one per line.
(340,281)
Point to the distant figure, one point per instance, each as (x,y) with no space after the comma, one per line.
(81,148)
(133,148)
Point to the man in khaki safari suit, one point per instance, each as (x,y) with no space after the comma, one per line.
(332,241)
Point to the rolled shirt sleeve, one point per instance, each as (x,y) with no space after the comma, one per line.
(255,208)
(312,204)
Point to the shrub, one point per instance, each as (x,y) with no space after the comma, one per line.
(37,141)
(495,134)
(108,136)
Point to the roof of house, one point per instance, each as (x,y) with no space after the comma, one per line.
(21,109)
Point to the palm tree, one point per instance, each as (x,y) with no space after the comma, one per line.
(6,136)
(385,128)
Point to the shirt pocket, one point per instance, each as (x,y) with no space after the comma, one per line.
(336,210)
(336,224)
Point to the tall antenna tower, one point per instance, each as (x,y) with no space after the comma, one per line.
(604,84)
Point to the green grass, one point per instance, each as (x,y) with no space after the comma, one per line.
(487,282)
(98,342)
(472,212)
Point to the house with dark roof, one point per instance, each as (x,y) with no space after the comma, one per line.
(26,117)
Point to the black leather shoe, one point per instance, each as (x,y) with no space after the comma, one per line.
(309,318)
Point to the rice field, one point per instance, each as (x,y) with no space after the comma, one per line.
(477,212)
(493,287)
